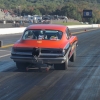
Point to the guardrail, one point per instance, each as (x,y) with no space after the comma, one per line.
(85,26)
(21,29)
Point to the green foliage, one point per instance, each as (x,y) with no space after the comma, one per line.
(68,23)
(70,8)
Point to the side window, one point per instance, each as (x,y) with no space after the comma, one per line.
(29,34)
(68,34)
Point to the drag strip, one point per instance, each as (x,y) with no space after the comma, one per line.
(80,82)
(4,53)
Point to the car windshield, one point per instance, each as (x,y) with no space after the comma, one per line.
(42,34)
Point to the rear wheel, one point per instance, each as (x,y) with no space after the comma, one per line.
(62,66)
(21,66)
(73,57)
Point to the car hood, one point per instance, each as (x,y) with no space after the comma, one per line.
(39,44)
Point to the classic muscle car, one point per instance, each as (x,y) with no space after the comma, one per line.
(46,43)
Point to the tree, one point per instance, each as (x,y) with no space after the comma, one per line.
(36,12)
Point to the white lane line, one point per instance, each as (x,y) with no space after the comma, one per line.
(5,50)
(5,55)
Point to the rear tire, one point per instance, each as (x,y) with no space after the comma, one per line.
(63,66)
(21,66)
(73,57)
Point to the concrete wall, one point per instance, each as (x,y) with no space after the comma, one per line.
(80,26)
(21,29)
(11,30)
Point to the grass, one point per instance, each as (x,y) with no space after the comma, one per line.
(68,23)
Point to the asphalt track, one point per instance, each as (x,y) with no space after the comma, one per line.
(80,82)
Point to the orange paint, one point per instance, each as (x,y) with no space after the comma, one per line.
(47,43)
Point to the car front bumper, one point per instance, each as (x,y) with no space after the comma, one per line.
(53,60)
(51,56)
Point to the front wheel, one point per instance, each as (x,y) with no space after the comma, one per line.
(63,66)
(21,66)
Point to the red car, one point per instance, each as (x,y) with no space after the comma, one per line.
(46,43)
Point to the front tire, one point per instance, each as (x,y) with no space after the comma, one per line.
(21,66)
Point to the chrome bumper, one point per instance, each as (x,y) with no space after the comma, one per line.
(51,58)
(39,59)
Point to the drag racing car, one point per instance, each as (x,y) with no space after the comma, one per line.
(46,43)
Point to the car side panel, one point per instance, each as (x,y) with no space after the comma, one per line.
(73,43)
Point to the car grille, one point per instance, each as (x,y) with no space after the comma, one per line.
(23,49)
(22,52)
(31,52)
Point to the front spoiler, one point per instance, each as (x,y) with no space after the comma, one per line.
(56,60)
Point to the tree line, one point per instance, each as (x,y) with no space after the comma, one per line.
(70,8)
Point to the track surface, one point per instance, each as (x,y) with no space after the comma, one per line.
(80,82)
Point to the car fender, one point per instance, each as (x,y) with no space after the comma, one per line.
(73,48)
(67,49)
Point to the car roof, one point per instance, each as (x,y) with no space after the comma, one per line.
(48,27)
